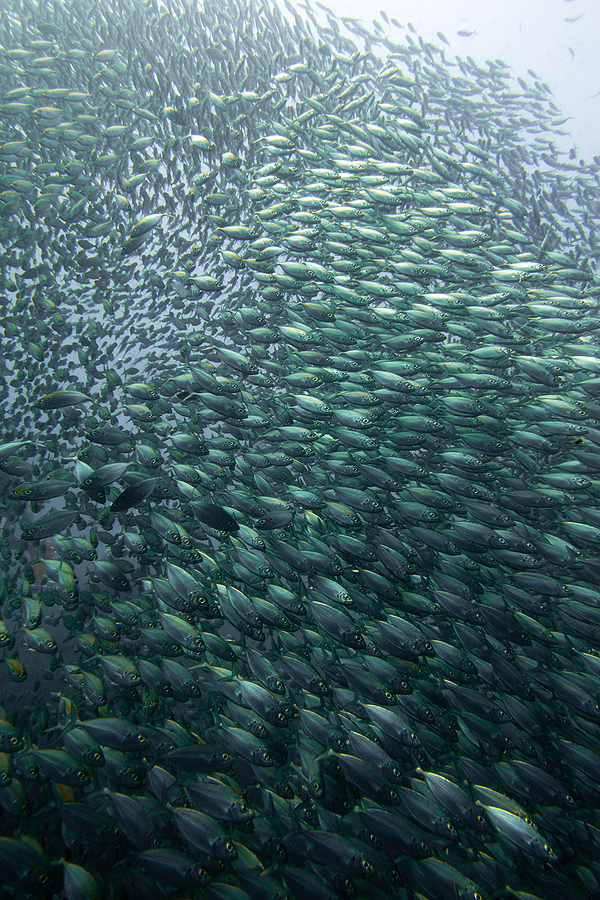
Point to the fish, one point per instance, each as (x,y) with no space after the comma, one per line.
(48,525)
(298,468)
(61,399)
(134,494)
(215,517)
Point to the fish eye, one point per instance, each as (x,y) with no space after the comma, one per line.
(82,776)
(229,847)
(569,799)
(388,695)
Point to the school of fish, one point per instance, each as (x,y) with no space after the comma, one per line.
(299,463)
